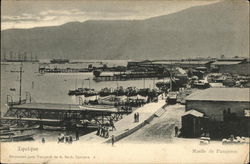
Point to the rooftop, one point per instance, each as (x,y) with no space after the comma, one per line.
(194,113)
(193,62)
(221,94)
(226,62)
(63,107)
(180,62)
(232,59)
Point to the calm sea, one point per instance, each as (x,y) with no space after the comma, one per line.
(54,87)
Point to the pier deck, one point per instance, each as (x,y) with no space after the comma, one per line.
(65,107)
(126,126)
(30,119)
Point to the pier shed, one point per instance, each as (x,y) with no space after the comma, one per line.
(184,64)
(214,102)
(193,123)
(239,66)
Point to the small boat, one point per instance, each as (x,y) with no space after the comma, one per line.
(87,92)
(22,129)
(10,138)
(12,89)
(59,61)
(45,127)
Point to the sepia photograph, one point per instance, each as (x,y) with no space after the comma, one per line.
(125,81)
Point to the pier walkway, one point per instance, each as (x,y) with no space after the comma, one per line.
(65,107)
(31,119)
(126,126)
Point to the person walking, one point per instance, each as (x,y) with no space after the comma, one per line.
(102,131)
(77,134)
(70,139)
(98,131)
(107,133)
(66,139)
(113,140)
(138,117)
(112,125)
(176,130)
(43,140)
(59,138)
(135,117)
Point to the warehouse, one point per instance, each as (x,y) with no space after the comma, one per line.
(215,102)
(184,64)
(240,68)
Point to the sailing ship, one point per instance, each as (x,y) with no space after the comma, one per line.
(19,57)
(59,61)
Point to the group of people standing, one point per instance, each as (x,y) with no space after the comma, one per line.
(65,139)
(103,131)
(136,117)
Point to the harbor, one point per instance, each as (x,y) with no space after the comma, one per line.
(89,106)
(28,112)
(125,82)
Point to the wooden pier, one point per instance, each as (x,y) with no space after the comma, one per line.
(62,114)
(131,76)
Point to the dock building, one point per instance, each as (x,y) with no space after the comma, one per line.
(218,113)
(214,102)
(240,66)
(169,63)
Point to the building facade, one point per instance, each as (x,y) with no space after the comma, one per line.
(214,102)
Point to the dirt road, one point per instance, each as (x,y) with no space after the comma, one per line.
(160,129)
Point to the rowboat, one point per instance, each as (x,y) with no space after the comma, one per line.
(22,129)
(17,138)
(45,127)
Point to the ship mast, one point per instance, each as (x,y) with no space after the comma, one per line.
(4,56)
(20,87)
(171,69)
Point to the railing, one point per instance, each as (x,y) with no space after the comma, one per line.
(10,101)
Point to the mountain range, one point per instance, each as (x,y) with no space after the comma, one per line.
(211,30)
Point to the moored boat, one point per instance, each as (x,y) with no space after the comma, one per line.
(25,137)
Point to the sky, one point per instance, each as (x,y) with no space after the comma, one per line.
(29,14)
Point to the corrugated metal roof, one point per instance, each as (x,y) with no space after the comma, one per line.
(193,62)
(163,62)
(232,59)
(221,94)
(226,62)
(194,113)
(180,62)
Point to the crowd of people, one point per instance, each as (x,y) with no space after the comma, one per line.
(65,139)
(103,131)
(136,117)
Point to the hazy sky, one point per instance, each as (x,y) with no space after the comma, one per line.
(28,14)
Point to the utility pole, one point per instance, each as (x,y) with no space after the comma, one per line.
(20,87)
(171,77)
